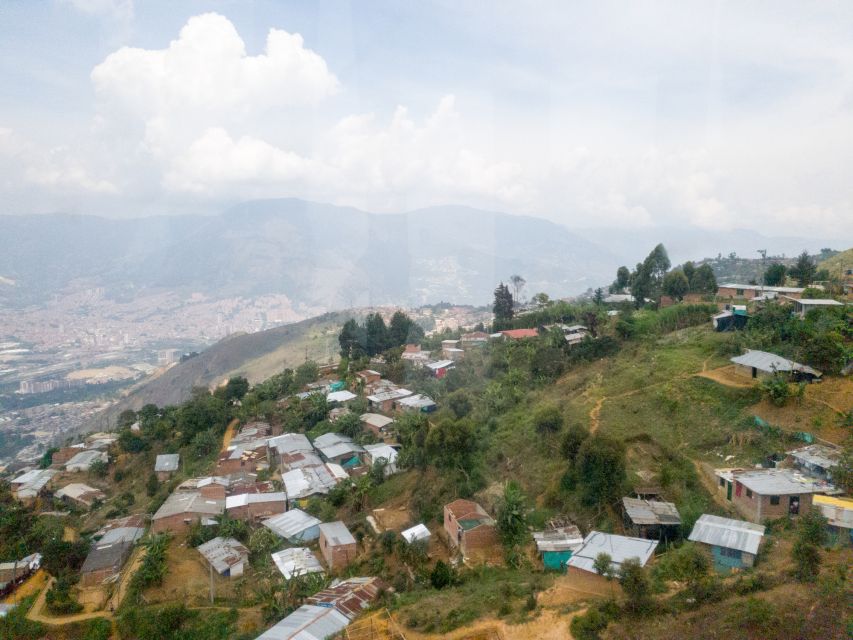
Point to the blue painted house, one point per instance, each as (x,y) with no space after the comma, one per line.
(733,544)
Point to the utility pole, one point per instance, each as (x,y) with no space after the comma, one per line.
(211,583)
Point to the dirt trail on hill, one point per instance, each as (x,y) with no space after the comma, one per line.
(726,376)
(38,612)
(547,625)
(229,433)
(30,586)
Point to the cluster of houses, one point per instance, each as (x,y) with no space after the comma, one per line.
(34,483)
(736,299)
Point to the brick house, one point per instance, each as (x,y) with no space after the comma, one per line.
(337,545)
(166,464)
(255,506)
(367,377)
(767,494)
(182,508)
(469,527)
(750,291)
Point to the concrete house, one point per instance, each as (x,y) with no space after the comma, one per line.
(287,443)
(382,452)
(733,290)
(337,545)
(651,519)
(469,528)
(295,526)
(341,397)
(418,403)
(802,306)
(15,572)
(619,548)
(339,449)
(255,506)
(839,515)
(815,460)
(80,495)
(115,542)
(316,480)
(182,508)
(756,364)
(166,465)
(474,339)
(227,556)
(27,487)
(766,494)
(59,458)
(384,400)
(308,622)
(376,423)
(83,461)
(237,458)
(733,544)
(441,368)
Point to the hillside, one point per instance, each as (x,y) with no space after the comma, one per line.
(316,254)
(839,264)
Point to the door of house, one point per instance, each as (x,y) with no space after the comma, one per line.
(754,372)
(738,488)
(794,505)
(729,491)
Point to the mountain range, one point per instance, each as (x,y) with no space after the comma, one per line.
(332,257)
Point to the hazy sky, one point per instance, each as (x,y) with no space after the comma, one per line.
(721,114)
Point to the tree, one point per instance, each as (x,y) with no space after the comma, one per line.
(236,388)
(675,284)
(460,403)
(441,575)
(572,441)
(351,340)
(47,458)
(403,330)
(518,285)
(657,264)
(98,468)
(512,519)
(125,419)
(306,372)
(641,285)
(541,300)
(811,535)
(603,565)
(775,274)
(151,485)
(548,419)
(601,464)
(598,296)
(636,586)
(349,424)
(502,307)
(804,269)
(376,340)
(704,280)
(689,270)
(623,277)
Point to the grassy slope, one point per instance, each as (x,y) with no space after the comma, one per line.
(836,263)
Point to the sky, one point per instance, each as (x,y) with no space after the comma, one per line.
(722,115)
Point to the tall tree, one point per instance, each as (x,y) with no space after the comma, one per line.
(804,269)
(402,330)
(502,306)
(518,285)
(376,334)
(623,277)
(512,519)
(689,269)
(658,264)
(704,280)
(641,285)
(774,276)
(675,284)
(351,340)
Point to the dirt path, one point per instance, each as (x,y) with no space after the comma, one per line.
(547,625)
(30,586)
(126,576)
(37,612)
(229,433)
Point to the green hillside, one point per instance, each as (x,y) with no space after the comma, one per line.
(838,264)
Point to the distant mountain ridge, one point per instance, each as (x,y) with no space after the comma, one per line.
(323,255)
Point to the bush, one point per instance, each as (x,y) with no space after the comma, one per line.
(59,599)
(441,575)
(548,419)
(776,389)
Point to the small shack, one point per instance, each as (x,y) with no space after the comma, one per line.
(619,548)
(761,364)
(295,526)
(227,556)
(469,527)
(839,515)
(296,561)
(337,545)
(417,533)
(557,544)
(166,464)
(81,495)
(650,519)
(733,544)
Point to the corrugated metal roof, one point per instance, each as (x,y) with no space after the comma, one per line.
(728,533)
(391,394)
(416,401)
(816,455)
(839,511)
(418,532)
(759,287)
(292,524)
(308,622)
(308,481)
(167,462)
(651,512)
(290,443)
(78,490)
(189,502)
(562,539)
(336,533)
(243,499)
(341,396)
(349,596)
(771,363)
(296,561)
(441,364)
(780,482)
(84,459)
(619,548)
(376,420)
(223,553)
(105,556)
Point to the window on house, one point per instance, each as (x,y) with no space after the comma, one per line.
(774,500)
(749,493)
(739,292)
(722,482)
(730,553)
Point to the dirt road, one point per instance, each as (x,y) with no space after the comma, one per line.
(28,588)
